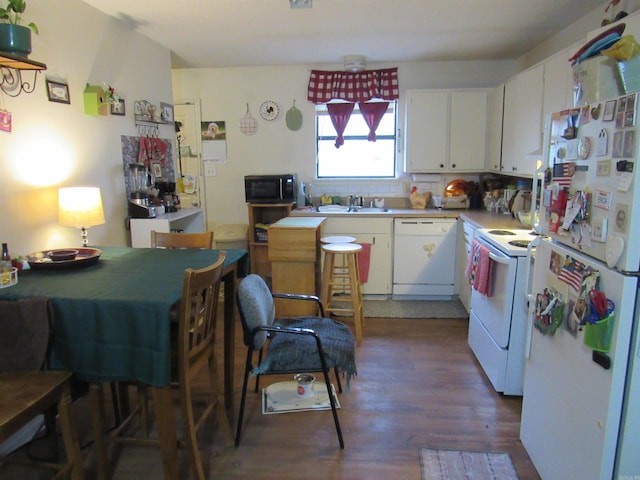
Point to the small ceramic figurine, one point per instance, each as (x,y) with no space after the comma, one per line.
(418,200)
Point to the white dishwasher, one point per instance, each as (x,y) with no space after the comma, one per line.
(424,258)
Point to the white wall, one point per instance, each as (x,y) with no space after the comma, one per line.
(225,92)
(56,145)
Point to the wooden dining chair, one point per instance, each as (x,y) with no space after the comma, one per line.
(181,240)
(169,240)
(194,350)
(26,390)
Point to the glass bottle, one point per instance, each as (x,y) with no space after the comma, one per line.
(5,260)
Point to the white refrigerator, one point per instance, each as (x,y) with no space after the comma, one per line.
(581,400)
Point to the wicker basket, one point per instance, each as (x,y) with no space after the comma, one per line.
(9,278)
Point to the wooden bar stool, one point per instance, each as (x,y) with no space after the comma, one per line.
(340,291)
(339,268)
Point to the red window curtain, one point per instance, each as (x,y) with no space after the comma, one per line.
(340,113)
(372,113)
(325,86)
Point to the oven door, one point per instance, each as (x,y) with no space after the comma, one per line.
(494,312)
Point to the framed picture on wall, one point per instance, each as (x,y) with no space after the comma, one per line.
(118,108)
(156,169)
(166,112)
(58,92)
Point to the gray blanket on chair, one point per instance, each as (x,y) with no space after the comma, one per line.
(290,351)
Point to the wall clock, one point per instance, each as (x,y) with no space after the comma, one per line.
(269,110)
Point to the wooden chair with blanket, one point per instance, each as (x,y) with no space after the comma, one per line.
(291,345)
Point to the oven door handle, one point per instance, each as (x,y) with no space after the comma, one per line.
(497,259)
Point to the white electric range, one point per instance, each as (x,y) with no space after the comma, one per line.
(497,323)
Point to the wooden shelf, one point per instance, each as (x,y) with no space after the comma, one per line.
(267,213)
(20,63)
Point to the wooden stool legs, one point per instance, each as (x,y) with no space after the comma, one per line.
(340,290)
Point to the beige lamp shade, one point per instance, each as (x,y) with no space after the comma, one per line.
(80,207)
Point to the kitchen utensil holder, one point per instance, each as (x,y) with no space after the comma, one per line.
(597,336)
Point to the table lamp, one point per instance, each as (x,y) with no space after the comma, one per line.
(80,207)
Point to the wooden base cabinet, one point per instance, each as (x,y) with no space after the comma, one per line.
(294,253)
(263,214)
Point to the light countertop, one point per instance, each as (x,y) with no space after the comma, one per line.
(479,218)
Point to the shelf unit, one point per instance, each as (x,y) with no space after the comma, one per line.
(11,68)
(265,213)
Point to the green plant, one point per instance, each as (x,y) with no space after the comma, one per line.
(12,13)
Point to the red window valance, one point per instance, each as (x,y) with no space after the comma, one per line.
(325,86)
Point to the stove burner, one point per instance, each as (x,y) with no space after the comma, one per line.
(500,232)
(519,243)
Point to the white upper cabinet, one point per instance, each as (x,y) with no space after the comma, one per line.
(445,130)
(494,132)
(522,124)
(558,82)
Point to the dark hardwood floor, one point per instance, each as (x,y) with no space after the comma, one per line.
(418,385)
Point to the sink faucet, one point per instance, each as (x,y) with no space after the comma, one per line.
(355,201)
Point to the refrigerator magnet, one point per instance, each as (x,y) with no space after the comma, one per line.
(602,199)
(602,143)
(572,149)
(621,218)
(603,168)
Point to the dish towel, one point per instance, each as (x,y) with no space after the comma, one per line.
(364,260)
(479,269)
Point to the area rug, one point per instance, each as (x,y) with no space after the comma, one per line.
(282,397)
(463,465)
(414,309)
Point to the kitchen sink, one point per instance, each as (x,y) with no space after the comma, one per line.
(369,210)
(346,209)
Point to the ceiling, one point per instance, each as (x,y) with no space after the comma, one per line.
(232,33)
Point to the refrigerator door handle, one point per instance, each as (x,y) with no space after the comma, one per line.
(531,307)
(529,297)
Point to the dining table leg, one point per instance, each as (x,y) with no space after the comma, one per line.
(229,278)
(163,406)
(96,406)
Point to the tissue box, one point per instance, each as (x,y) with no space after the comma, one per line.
(596,79)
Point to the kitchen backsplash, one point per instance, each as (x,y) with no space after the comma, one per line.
(382,188)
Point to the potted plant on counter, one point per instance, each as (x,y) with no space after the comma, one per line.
(15,38)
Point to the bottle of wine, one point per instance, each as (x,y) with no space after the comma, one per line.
(5,260)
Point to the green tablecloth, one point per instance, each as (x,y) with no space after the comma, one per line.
(112,319)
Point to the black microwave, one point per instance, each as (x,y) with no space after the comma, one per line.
(270,188)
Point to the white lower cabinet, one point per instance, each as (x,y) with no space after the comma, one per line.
(377,233)
(188,220)
(466,232)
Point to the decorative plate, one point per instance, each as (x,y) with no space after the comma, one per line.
(269,110)
(584,148)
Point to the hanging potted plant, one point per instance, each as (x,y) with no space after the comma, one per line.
(15,38)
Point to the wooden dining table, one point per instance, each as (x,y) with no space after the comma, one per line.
(112,320)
